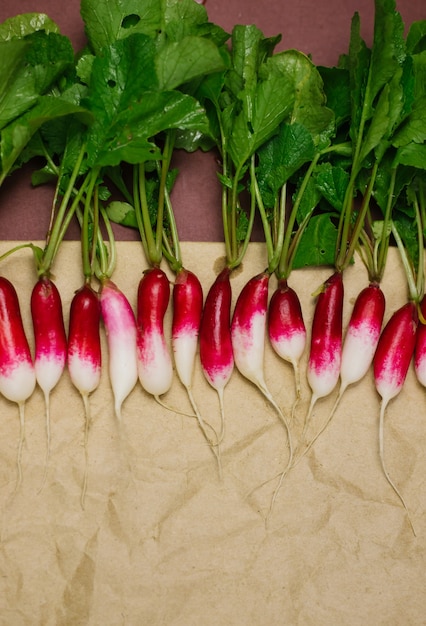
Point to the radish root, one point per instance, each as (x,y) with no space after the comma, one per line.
(48,440)
(383,406)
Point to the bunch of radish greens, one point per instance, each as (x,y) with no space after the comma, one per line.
(330,160)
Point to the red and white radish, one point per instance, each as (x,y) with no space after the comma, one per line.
(186,322)
(17,374)
(216,354)
(155,367)
(362,335)
(50,343)
(391,361)
(248,331)
(326,340)
(286,328)
(84,354)
(120,327)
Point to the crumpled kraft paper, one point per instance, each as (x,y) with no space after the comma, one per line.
(162,541)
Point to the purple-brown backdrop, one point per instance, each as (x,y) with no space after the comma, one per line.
(317,27)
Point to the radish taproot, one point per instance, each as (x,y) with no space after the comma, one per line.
(248,329)
(390,365)
(17,373)
(186,322)
(50,345)
(286,328)
(216,354)
(120,327)
(84,355)
(326,340)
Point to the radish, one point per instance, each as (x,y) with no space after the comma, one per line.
(186,322)
(50,344)
(391,362)
(286,328)
(17,374)
(248,340)
(326,340)
(155,368)
(187,312)
(216,354)
(120,327)
(84,354)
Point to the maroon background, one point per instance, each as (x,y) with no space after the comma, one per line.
(317,27)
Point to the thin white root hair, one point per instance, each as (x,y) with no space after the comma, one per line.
(323,427)
(21,406)
(171,408)
(48,441)
(87,423)
(265,391)
(203,425)
(383,406)
(312,403)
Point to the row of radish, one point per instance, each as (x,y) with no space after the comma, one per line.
(139,348)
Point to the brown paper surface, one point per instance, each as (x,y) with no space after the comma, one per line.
(162,541)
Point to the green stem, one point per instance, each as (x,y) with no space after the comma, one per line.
(283,269)
(412,287)
(240,253)
(55,237)
(164,169)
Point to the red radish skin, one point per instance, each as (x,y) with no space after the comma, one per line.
(120,327)
(390,364)
(84,355)
(17,374)
(286,328)
(216,355)
(49,334)
(186,322)
(395,351)
(154,361)
(420,349)
(362,335)
(84,344)
(50,344)
(326,340)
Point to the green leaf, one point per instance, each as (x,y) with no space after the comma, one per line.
(332,182)
(281,157)
(414,127)
(24,24)
(416,37)
(337,92)
(32,68)
(308,105)
(180,62)
(317,244)
(263,110)
(309,201)
(107,21)
(17,134)
(388,51)
(122,213)
(413,155)
(128,134)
